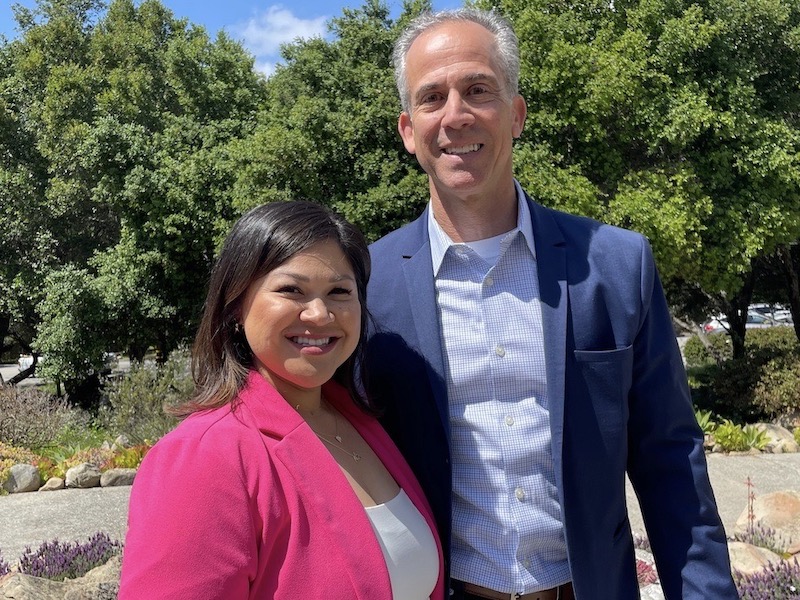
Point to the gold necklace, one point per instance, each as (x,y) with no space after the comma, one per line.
(337,441)
(356,456)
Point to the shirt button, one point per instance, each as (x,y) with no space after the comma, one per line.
(526,563)
(488,282)
(500,351)
(509,420)
(520,494)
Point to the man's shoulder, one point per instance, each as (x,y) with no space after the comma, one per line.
(409,233)
(579,229)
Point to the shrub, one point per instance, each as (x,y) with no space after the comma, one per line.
(136,402)
(796,434)
(778,581)
(730,437)
(732,390)
(128,458)
(778,390)
(645,573)
(764,537)
(57,561)
(763,385)
(697,355)
(31,418)
(705,419)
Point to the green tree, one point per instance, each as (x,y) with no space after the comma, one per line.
(114,165)
(328,131)
(678,119)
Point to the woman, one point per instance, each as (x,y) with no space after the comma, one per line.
(279,483)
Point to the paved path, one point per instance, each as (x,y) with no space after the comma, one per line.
(73,515)
(728,475)
(66,515)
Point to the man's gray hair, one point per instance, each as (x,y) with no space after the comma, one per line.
(506,43)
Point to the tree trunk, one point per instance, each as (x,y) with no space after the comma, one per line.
(736,312)
(786,254)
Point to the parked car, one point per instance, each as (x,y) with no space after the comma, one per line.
(755,320)
(777,312)
(26,360)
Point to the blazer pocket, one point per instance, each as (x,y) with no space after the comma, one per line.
(606,377)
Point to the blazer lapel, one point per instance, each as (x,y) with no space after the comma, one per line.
(421,298)
(320,483)
(551,263)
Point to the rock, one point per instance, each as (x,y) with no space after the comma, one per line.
(750,559)
(53,484)
(85,475)
(22,478)
(779,439)
(117,477)
(779,511)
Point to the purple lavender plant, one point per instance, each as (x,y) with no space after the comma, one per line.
(5,569)
(58,561)
(778,581)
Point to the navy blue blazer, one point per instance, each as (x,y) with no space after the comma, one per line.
(611,354)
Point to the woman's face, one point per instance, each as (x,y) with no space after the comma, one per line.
(303,318)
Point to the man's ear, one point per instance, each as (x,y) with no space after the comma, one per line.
(406,130)
(520,110)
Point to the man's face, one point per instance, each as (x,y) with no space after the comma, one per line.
(463,120)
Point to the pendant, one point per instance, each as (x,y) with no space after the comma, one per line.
(339,439)
(356,456)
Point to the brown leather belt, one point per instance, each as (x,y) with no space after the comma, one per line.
(562,592)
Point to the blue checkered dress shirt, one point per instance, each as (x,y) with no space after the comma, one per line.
(507,523)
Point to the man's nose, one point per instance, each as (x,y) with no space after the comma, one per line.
(457,112)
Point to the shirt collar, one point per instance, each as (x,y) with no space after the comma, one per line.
(440,241)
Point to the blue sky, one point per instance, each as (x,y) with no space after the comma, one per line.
(260,26)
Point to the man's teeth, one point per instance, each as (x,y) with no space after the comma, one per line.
(463,149)
(304,341)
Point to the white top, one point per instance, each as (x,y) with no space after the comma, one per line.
(408,545)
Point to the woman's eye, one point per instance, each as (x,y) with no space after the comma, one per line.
(288,289)
(341,291)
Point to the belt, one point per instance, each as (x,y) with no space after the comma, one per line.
(562,592)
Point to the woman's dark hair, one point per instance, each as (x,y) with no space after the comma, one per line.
(261,240)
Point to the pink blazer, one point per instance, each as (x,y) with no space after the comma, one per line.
(246,502)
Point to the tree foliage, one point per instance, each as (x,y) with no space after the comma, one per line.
(130,141)
(678,119)
(114,173)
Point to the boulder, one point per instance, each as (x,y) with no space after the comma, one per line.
(117,477)
(53,484)
(22,478)
(84,475)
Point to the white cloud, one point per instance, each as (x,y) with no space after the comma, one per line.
(263,34)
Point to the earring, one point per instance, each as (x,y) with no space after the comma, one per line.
(237,327)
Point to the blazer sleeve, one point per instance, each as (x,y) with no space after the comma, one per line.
(666,459)
(192,526)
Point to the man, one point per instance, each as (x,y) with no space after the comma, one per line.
(526,357)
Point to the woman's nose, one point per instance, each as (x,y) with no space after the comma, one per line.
(316,311)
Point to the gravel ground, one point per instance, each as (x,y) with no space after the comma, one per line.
(74,515)
(66,515)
